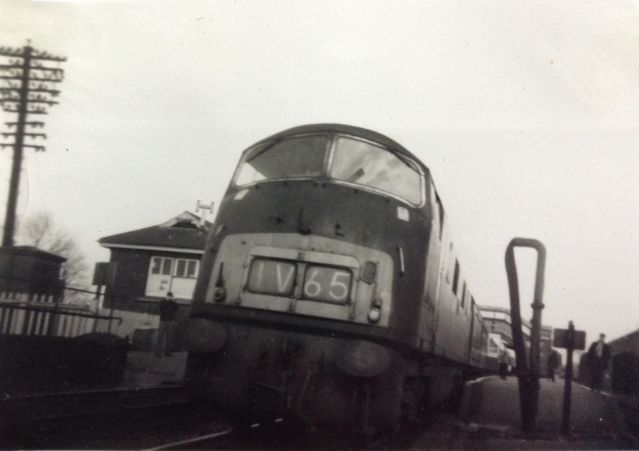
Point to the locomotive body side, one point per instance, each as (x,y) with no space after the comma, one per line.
(320,291)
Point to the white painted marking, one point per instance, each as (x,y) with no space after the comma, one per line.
(240,194)
(279,420)
(255,425)
(178,445)
(282,284)
(585,387)
(481,379)
(402,269)
(402,213)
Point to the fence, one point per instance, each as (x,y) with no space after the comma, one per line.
(29,314)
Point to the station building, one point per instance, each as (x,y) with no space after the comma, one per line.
(624,368)
(628,343)
(145,264)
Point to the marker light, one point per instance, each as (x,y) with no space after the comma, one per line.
(220,294)
(374,315)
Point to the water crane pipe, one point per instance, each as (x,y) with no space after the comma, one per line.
(527,370)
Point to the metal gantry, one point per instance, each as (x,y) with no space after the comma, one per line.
(26,88)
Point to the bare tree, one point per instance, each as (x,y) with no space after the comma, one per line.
(40,230)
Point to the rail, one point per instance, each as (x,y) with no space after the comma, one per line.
(60,405)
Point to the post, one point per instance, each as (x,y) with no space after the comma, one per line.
(52,330)
(97,308)
(16,168)
(111,310)
(565,424)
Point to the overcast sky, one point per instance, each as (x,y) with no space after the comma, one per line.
(526,113)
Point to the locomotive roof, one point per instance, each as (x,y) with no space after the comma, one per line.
(349,130)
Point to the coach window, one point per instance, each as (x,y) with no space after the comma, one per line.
(440,207)
(449,256)
(456,277)
(366,164)
(301,156)
(463,297)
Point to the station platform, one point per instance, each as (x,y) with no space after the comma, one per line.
(490,418)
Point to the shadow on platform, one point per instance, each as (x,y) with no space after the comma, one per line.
(491,418)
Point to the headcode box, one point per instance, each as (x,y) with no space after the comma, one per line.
(560,339)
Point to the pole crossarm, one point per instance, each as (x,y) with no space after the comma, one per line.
(34,147)
(47,57)
(43,101)
(31,135)
(30,100)
(29,123)
(39,66)
(53,92)
(51,79)
(8,51)
(17,110)
(30,146)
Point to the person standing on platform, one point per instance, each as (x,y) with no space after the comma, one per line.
(168,315)
(598,358)
(504,360)
(554,360)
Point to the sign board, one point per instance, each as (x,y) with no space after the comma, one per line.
(104,273)
(560,339)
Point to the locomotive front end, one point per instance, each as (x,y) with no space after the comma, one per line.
(296,305)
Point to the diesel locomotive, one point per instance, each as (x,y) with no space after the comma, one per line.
(330,288)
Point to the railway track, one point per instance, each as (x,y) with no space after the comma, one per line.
(154,419)
(206,441)
(32,408)
(132,422)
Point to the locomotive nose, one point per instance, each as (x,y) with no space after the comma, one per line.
(204,335)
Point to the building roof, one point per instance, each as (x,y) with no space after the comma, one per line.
(185,231)
(625,338)
(32,251)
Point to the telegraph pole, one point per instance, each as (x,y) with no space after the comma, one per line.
(28,88)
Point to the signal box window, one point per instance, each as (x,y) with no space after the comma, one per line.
(172,274)
(290,158)
(369,165)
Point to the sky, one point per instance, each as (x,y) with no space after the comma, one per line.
(526,113)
